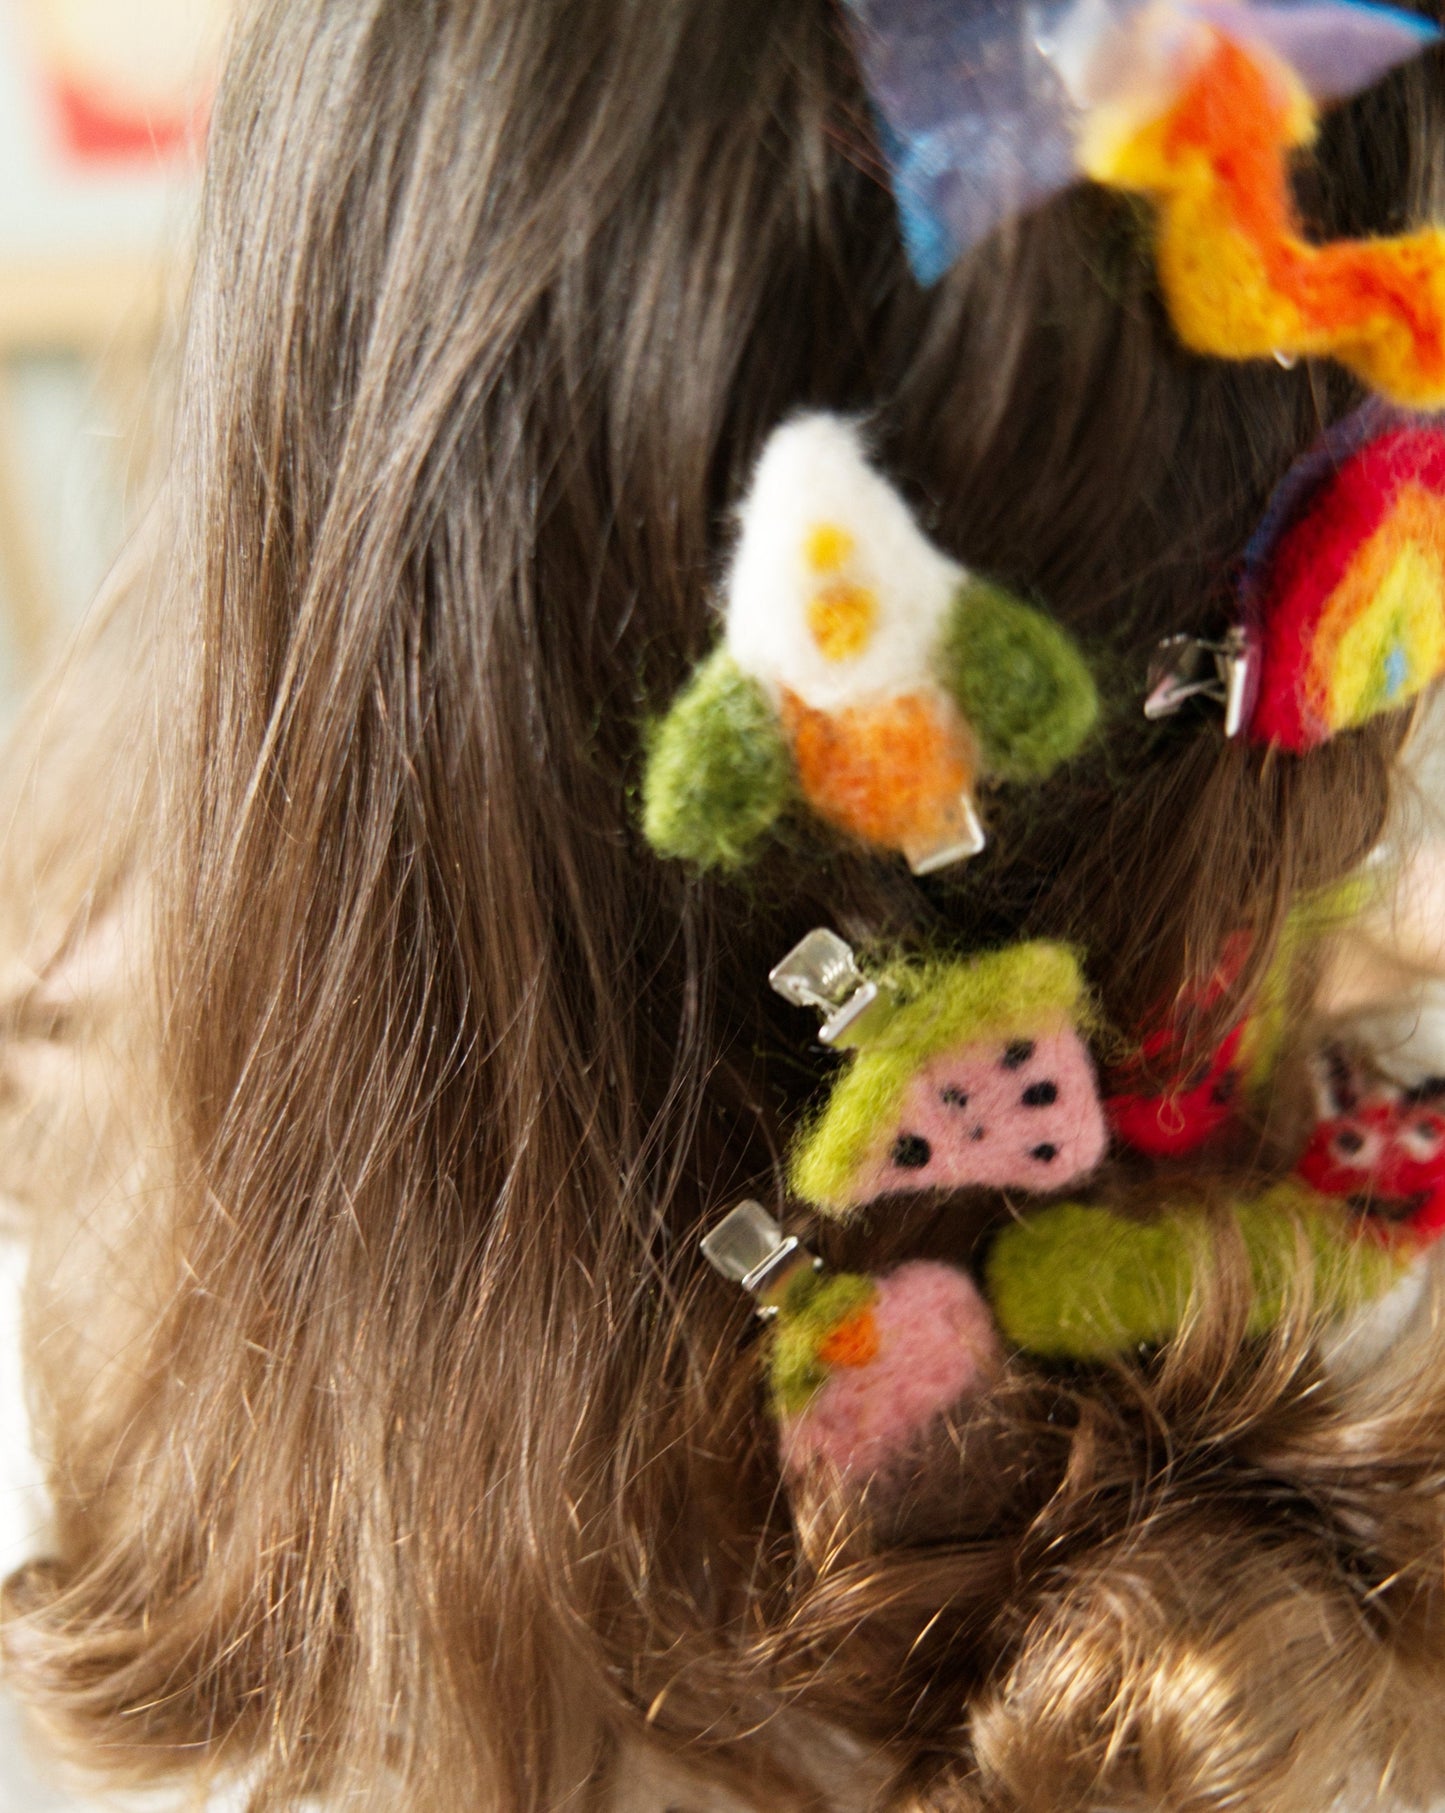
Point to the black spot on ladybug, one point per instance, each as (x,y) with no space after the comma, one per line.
(1045,1154)
(1018,1054)
(1225,1090)
(1349,1141)
(911,1152)
(955,1097)
(1041,1095)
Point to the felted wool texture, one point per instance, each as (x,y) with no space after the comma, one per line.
(1362,1338)
(835,594)
(1174,1121)
(893,773)
(1019,680)
(1198,1098)
(814,1308)
(1240,280)
(719,772)
(937,1345)
(1081,1283)
(1026,993)
(994,1114)
(1350,602)
(1380,1149)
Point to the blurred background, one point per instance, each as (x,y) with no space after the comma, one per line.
(102,116)
(103,105)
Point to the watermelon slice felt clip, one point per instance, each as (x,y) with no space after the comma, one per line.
(962,1074)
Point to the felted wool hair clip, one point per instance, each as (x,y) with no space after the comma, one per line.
(858,1367)
(962,1074)
(1073,1282)
(1378,1147)
(1197,104)
(861,672)
(1195,1100)
(1341,597)
(1240,279)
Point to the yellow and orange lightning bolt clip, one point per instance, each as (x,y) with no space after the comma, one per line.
(986,111)
(1240,279)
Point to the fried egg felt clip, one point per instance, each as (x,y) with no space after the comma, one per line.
(977,1078)
(861,672)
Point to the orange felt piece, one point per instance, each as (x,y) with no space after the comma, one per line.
(853,1343)
(893,773)
(1240,280)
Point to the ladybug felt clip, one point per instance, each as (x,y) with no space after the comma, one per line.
(1379,1146)
(1195,1102)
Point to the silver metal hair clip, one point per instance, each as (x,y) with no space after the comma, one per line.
(1188,667)
(749,1248)
(821,971)
(963,839)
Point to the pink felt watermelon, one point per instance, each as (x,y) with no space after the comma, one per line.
(1020,1113)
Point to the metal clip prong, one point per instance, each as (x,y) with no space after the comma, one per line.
(822,972)
(1188,667)
(962,838)
(749,1248)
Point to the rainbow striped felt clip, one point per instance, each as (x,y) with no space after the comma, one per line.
(1341,593)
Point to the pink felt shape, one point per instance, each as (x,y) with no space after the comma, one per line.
(936,1345)
(1021,1114)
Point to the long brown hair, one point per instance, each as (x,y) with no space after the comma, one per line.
(400,1444)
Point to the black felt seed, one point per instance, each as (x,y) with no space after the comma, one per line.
(956,1098)
(1041,1095)
(911,1152)
(1045,1154)
(1349,1141)
(1018,1053)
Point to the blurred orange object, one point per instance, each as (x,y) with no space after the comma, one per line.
(128,79)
